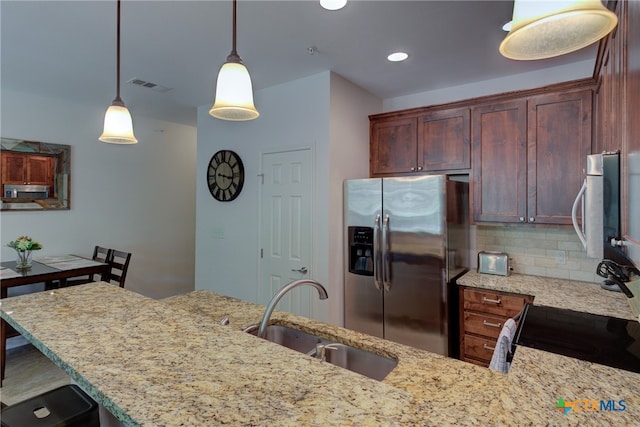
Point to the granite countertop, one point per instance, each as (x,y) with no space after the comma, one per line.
(170,362)
(550,292)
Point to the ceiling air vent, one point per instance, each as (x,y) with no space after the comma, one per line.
(152,86)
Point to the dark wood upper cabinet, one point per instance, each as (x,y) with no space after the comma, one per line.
(21,168)
(525,152)
(393,148)
(444,140)
(14,168)
(425,142)
(529,157)
(500,162)
(559,140)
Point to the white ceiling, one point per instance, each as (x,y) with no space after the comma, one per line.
(67,48)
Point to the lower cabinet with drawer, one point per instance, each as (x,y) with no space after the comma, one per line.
(482,316)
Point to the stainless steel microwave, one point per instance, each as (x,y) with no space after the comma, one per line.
(25,191)
(600,197)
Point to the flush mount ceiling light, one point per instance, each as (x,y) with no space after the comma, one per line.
(544,29)
(234,92)
(397,57)
(333,4)
(118,126)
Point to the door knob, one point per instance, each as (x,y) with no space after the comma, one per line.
(302,270)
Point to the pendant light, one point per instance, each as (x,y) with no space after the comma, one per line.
(547,28)
(234,92)
(118,127)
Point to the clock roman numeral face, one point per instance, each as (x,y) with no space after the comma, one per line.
(225,175)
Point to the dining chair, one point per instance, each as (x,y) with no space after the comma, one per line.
(119,264)
(100,254)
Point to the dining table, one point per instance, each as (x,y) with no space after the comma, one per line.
(53,271)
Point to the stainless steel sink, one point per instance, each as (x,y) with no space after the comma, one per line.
(357,360)
(290,338)
(354,359)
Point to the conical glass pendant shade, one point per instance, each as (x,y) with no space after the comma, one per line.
(234,94)
(118,126)
(544,29)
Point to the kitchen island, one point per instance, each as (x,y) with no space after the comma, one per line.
(170,362)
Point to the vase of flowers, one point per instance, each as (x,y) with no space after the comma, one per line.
(24,245)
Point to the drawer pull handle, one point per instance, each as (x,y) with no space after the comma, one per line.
(494,301)
(488,347)
(493,325)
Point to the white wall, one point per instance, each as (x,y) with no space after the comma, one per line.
(322,111)
(138,198)
(523,81)
(294,114)
(349,153)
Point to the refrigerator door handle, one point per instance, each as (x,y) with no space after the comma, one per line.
(376,253)
(386,255)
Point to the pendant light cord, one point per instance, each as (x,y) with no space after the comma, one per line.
(235,12)
(118,101)
(233,56)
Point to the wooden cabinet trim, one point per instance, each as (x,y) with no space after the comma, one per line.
(574,85)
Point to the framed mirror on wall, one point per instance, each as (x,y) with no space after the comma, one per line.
(35,175)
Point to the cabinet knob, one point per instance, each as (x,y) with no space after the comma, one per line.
(521,219)
(419,168)
(413,169)
(532,219)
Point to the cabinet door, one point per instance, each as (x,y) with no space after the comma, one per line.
(444,140)
(39,170)
(559,140)
(499,162)
(393,146)
(13,168)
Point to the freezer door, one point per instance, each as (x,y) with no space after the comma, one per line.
(362,297)
(414,247)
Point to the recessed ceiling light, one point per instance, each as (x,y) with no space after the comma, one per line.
(333,4)
(397,56)
(507,26)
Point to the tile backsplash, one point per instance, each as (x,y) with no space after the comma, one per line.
(539,252)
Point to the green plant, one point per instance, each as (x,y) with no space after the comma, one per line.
(25,244)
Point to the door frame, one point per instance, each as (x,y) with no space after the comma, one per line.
(260,176)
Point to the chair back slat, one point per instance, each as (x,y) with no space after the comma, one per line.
(118,266)
(101,254)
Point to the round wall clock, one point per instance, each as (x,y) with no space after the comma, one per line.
(225,175)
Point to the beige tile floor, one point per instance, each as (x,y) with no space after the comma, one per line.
(29,373)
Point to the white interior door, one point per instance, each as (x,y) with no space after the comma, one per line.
(287,228)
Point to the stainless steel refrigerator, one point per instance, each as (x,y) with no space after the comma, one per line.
(406,239)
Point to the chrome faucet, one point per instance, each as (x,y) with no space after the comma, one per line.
(322,292)
(321,350)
